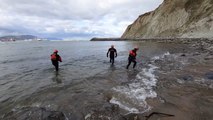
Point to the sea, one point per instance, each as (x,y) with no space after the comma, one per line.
(85,81)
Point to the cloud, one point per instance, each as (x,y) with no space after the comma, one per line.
(71,18)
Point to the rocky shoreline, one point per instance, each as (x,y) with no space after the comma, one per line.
(185,86)
(182,40)
(184,90)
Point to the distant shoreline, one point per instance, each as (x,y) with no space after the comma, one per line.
(153,39)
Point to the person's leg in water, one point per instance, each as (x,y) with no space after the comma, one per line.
(55,63)
(134,63)
(56,66)
(128,63)
(112,60)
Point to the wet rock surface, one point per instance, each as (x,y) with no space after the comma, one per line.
(106,112)
(34,113)
(186,92)
(209,75)
(187,78)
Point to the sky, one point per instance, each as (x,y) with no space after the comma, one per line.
(71,19)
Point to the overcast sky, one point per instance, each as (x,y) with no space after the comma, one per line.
(71,19)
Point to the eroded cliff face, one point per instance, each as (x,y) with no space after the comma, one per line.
(175,18)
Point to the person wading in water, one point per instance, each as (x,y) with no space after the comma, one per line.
(132,57)
(113,54)
(55,58)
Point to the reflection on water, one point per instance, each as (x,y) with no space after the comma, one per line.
(57,78)
(27,76)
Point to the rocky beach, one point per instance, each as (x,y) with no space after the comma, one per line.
(185,85)
(185,77)
(172,81)
(184,89)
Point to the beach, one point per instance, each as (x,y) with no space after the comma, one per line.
(172,81)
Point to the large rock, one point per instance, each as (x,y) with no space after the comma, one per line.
(175,18)
(209,75)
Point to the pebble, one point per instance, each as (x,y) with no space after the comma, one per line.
(209,75)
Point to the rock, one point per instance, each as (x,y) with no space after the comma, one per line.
(111,107)
(211,52)
(208,58)
(34,113)
(192,60)
(183,55)
(133,116)
(187,78)
(158,61)
(209,75)
(196,54)
(55,115)
(108,111)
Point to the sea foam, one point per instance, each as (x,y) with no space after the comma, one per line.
(132,97)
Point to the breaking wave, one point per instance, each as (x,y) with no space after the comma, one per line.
(132,97)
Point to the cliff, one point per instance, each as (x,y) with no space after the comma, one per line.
(175,18)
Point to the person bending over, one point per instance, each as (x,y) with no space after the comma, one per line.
(132,57)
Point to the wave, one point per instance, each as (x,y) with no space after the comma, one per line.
(161,56)
(132,97)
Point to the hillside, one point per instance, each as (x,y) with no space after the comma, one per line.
(175,18)
(18,37)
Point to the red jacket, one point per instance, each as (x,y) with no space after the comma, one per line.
(132,54)
(55,57)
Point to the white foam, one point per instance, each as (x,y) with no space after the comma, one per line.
(87,116)
(115,101)
(161,56)
(132,96)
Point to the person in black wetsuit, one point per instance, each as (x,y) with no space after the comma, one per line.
(113,54)
(55,58)
(132,57)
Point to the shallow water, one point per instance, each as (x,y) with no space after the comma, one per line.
(84,81)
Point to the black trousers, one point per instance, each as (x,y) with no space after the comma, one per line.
(130,61)
(112,59)
(55,63)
